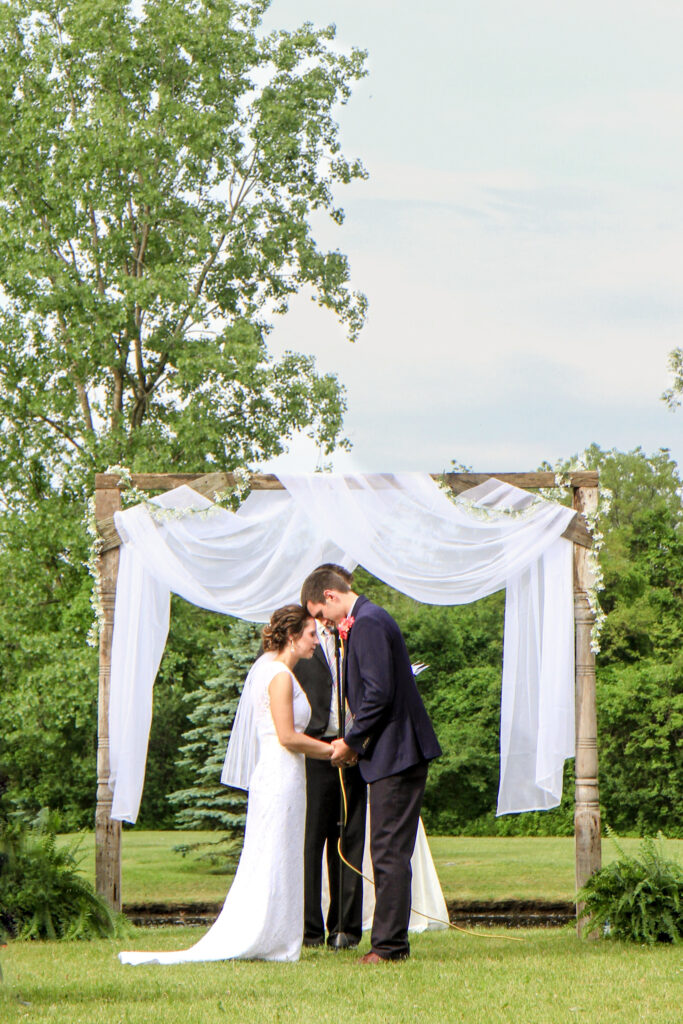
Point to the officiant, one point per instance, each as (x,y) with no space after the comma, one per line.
(318,679)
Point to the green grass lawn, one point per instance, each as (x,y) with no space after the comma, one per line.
(469,868)
(550,977)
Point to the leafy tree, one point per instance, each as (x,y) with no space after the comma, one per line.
(641,558)
(48,704)
(463,783)
(640,729)
(639,681)
(158,177)
(161,168)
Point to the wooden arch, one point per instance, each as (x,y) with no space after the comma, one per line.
(585,500)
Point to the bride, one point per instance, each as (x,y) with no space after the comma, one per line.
(263,917)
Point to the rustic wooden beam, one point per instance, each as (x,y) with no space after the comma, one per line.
(167,481)
(461,481)
(107,832)
(268,481)
(587,796)
(213,483)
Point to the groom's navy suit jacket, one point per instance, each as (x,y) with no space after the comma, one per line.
(391,729)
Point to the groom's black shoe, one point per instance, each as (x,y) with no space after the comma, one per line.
(313,943)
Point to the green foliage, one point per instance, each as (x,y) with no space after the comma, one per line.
(42,894)
(160,171)
(206,803)
(672,395)
(637,898)
(463,783)
(48,674)
(642,557)
(640,727)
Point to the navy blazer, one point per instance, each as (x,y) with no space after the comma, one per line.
(391,728)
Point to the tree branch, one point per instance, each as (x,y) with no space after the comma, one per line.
(150,381)
(60,430)
(96,248)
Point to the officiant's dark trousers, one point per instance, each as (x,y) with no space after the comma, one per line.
(322,825)
(394,816)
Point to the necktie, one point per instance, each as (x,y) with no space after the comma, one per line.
(330,652)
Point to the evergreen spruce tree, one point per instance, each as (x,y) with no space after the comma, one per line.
(207,804)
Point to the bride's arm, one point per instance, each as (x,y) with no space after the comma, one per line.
(281,697)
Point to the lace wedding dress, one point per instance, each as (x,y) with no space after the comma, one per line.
(263,914)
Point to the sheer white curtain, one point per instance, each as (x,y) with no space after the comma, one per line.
(404,530)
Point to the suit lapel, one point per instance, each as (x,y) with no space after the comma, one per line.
(320,655)
(347,644)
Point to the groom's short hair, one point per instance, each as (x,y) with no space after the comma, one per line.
(325,577)
(340,571)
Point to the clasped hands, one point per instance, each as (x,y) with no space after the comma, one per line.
(342,755)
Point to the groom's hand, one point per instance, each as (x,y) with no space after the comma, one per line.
(342,754)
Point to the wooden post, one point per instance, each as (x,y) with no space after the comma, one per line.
(587,797)
(107,832)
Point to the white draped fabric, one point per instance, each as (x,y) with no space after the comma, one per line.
(404,530)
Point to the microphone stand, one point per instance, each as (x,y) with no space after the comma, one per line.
(340,940)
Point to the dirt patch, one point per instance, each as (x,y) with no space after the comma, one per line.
(487,913)
(511,913)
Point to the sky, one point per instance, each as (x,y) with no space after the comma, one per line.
(519,237)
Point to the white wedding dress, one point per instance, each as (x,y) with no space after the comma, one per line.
(263,914)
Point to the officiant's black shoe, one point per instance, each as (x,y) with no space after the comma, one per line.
(313,943)
(342,940)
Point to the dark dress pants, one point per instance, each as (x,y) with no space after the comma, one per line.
(394,816)
(322,825)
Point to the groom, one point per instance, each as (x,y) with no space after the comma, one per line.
(393,740)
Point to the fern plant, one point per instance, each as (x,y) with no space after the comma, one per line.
(42,895)
(636,898)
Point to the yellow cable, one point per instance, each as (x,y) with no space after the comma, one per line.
(370,881)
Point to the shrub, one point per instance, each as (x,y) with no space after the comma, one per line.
(639,898)
(42,896)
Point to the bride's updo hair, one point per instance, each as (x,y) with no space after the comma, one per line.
(285,624)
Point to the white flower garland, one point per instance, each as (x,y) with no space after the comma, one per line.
(484,514)
(593,521)
(93,567)
(230,497)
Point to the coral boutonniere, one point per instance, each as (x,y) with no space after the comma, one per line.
(344,627)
